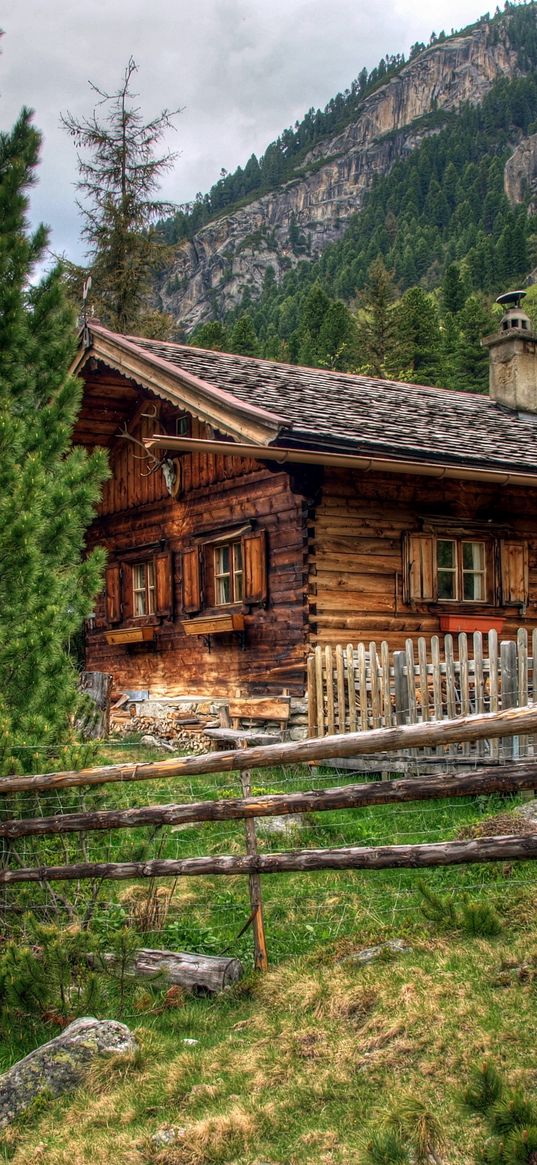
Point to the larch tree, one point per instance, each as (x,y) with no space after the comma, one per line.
(48,488)
(119,176)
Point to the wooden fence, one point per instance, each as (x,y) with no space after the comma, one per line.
(367,687)
(514,777)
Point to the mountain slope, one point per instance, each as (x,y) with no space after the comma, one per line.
(300,219)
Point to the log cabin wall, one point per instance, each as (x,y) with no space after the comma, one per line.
(137,517)
(357,588)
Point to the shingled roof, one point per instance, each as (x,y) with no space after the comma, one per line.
(342,413)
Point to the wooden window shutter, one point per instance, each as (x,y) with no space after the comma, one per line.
(254,549)
(514,572)
(419,568)
(127,597)
(191,581)
(164,584)
(113,593)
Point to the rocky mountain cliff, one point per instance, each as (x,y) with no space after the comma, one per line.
(299,219)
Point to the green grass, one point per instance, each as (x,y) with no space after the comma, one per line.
(307,1062)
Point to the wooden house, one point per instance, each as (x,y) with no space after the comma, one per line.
(255,509)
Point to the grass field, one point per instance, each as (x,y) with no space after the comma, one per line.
(305,1063)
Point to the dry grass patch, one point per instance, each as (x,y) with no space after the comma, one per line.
(217,1139)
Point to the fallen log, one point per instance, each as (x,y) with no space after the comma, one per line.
(510,722)
(388,857)
(193,972)
(510,778)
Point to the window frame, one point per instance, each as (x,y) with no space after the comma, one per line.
(122,586)
(460,573)
(233,575)
(147,589)
(249,579)
(504,569)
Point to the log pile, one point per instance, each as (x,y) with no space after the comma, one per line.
(181,727)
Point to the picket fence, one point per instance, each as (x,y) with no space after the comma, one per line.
(358,687)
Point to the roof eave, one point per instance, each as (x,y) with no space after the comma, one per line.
(281,455)
(212,405)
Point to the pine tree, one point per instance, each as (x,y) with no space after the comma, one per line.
(211,335)
(471,358)
(48,490)
(377,323)
(119,175)
(243,338)
(419,337)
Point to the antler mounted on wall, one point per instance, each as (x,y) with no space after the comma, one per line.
(171,468)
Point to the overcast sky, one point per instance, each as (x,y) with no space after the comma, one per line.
(242,70)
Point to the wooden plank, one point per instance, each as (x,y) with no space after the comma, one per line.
(261,707)
(411,681)
(312,695)
(533,688)
(329,673)
(494,664)
(401,687)
(362,687)
(451,690)
(376,720)
(464,681)
(479,679)
(351,688)
(386,686)
(437,682)
(508,664)
(424,678)
(522,679)
(340,683)
(319,681)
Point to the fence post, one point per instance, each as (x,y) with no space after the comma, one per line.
(401,687)
(254,880)
(508,663)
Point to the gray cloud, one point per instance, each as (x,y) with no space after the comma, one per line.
(242,70)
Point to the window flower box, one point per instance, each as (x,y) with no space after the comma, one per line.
(129,635)
(469,622)
(214,624)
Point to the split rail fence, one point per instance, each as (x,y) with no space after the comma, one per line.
(367,687)
(513,777)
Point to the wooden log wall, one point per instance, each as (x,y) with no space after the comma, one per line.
(217,494)
(356,560)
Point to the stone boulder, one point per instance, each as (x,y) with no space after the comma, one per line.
(61,1065)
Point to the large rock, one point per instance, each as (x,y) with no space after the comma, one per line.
(60,1065)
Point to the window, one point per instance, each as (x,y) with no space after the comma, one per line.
(139,588)
(228,573)
(225,571)
(446,569)
(143,588)
(461,570)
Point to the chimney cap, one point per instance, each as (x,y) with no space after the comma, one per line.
(511,297)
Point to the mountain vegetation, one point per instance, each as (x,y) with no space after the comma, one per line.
(436,241)
(283,158)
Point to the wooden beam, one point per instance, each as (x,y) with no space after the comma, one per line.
(512,722)
(387,857)
(508,779)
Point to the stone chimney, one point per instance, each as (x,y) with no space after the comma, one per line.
(513,357)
